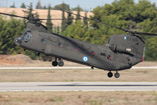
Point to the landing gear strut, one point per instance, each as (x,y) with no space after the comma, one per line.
(55,63)
(59,63)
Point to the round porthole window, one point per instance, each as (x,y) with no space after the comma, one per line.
(43,40)
(60,44)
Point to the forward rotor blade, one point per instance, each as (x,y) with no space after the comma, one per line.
(46,19)
(26,17)
(133,32)
(13,15)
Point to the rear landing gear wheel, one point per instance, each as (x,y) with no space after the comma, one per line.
(61,63)
(116,75)
(110,74)
(54,63)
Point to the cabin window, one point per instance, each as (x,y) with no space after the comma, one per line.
(43,40)
(102,54)
(59,44)
(26,36)
(76,49)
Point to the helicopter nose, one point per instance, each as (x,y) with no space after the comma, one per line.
(18,41)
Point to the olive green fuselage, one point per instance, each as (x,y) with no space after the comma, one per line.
(102,57)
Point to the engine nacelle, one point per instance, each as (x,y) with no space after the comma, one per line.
(131,46)
(121,49)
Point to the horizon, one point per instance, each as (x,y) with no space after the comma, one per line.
(85,4)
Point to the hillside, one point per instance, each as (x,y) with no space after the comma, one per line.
(42,13)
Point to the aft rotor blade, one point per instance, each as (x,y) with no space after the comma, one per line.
(99,21)
(133,32)
(141,33)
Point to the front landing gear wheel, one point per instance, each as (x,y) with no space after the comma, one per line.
(110,74)
(116,75)
(54,63)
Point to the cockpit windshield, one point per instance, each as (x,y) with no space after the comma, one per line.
(26,36)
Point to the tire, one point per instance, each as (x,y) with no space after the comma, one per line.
(54,63)
(61,63)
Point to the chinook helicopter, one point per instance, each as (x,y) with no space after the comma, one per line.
(122,51)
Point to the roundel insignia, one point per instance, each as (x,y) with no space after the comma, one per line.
(125,38)
(85,59)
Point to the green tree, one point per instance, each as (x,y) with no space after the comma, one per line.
(79,31)
(85,19)
(60,7)
(49,23)
(28,12)
(151,49)
(23,5)
(58,29)
(76,30)
(9,30)
(45,7)
(64,25)
(36,16)
(38,6)
(70,18)
(13,6)
(78,14)
(76,8)
(95,36)
(149,26)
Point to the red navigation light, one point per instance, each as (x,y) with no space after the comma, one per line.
(92,53)
(109,57)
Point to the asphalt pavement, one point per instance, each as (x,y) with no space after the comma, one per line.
(78,86)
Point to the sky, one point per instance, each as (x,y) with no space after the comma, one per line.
(85,4)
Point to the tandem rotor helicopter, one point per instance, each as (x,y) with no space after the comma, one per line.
(122,51)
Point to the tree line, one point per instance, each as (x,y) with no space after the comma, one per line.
(126,14)
(56,7)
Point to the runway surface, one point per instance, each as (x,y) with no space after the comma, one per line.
(65,68)
(78,86)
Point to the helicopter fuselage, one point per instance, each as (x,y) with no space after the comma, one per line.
(102,57)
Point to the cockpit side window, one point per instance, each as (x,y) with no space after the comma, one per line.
(26,36)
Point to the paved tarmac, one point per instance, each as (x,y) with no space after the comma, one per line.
(65,68)
(78,86)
